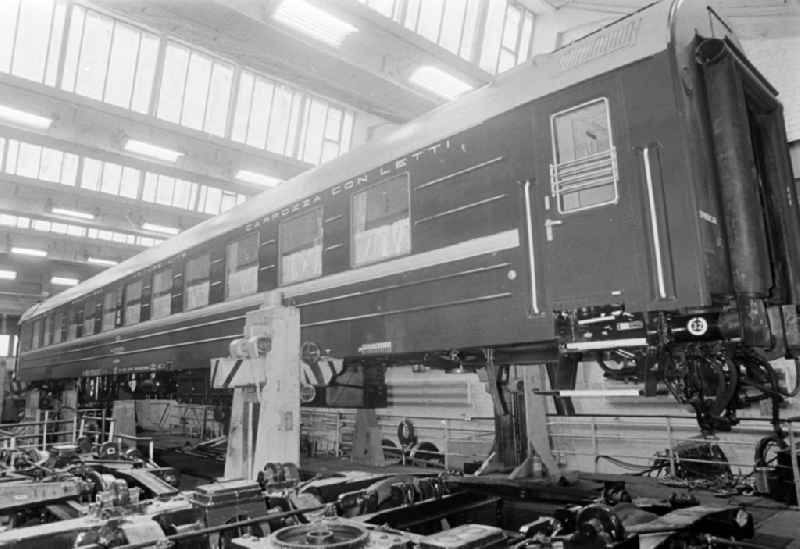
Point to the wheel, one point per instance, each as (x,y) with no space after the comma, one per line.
(406,434)
(328,534)
(766,451)
(598,522)
(429,453)
(390,450)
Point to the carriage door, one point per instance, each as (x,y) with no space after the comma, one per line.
(590,239)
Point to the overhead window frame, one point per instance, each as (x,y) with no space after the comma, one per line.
(574,180)
(318,210)
(353,228)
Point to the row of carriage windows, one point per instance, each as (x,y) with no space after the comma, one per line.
(381,229)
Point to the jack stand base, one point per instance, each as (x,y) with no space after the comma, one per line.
(491,464)
(367,446)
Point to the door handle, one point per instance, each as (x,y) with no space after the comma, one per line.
(548,227)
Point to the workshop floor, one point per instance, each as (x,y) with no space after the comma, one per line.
(777,525)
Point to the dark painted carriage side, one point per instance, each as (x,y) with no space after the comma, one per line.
(518,243)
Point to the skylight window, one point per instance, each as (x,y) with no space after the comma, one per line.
(257,178)
(313,21)
(24,118)
(63,281)
(439,82)
(34,252)
(153,151)
(160,228)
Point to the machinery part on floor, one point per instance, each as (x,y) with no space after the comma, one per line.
(277,476)
(598,522)
(330,534)
(478,536)
(431,512)
(774,470)
(764,448)
(193,532)
(692,453)
(109,450)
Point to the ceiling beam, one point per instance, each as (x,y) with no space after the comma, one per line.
(33,282)
(70,146)
(16,303)
(102,130)
(67,249)
(112,212)
(362,73)
(411,41)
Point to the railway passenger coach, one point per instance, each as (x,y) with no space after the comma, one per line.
(628,195)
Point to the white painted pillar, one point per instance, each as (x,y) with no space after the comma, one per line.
(265,416)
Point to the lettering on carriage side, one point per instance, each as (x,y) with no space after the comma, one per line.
(378,347)
(397,165)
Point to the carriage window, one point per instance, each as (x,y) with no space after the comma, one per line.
(75,328)
(198,271)
(381,223)
(110,301)
(88,317)
(37,330)
(584,170)
(48,330)
(301,247)
(133,302)
(58,323)
(161,303)
(241,266)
